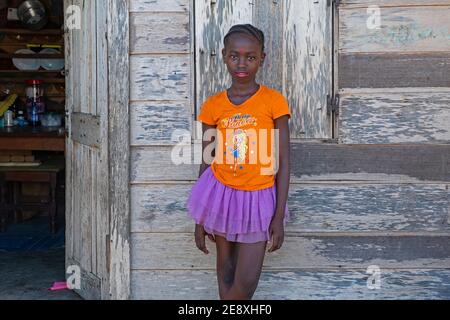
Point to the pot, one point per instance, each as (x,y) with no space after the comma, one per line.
(32,14)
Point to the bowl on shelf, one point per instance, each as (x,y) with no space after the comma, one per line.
(51,120)
(26,64)
(32,14)
(51,64)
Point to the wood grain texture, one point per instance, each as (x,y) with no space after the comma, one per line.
(395,118)
(178,251)
(159,5)
(308,73)
(394,70)
(159,163)
(212,22)
(101,166)
(326,207)
(157,122)
(268,17)
(68,47)
(119,149)
(391,3)
(161,77)
(159,33)
(385,162)
(309,162)
(87,212)
(396,284)
(402,29)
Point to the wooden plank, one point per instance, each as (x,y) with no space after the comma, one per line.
(395,118)
(212,22)
(155,122)
(396,163)
(33,143)
(308,66)
(159,33)
(297,284)
(164,77)
(159,5)
(328,207)
(344,4)
(403,29)
(69,227)
(268,16)
(119,148)
(102,157)
(76,205)
(84,188)
(150,251)
(310,162)
(163,165)
(85,129)
(394,70)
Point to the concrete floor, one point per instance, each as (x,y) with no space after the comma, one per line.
(28,275)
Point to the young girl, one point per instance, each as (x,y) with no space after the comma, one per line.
(239,200)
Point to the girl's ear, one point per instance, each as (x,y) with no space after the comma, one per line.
(263,57)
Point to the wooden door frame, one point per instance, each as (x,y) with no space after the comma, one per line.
(118,36)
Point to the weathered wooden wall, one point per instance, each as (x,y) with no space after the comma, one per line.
(299,54)
(380,197)
(394,128)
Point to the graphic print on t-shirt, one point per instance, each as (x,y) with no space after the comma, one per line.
(239,146)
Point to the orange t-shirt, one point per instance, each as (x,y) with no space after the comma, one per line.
(244,157)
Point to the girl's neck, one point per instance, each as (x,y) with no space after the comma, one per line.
(243,88)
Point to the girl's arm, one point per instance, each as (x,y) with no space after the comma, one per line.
(205,165)
(282,183)
(200,232)
(282,177)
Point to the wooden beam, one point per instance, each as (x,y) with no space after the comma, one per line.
(119,114)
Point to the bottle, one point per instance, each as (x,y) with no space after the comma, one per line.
(35,93)
(34,117)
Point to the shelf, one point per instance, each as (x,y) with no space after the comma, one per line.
(29,71)
(21,76)
(23,79)
(31,56)
(49,32)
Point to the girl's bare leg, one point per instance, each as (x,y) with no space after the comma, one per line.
(250,258)
(226,264)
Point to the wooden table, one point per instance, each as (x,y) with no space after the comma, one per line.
(47,172)
(36,139)
(32,138)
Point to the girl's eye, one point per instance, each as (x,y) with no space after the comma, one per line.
(251,58)
(233,57)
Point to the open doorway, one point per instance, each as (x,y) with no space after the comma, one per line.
(32,149)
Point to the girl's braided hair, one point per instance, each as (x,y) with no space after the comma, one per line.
(246,29)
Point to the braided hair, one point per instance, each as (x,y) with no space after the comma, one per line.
(245,29)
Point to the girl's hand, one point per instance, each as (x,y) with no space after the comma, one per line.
(200,234)
(276,231)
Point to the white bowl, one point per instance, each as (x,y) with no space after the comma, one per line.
(51,64)
(26,63)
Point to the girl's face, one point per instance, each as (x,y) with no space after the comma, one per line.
(243,57)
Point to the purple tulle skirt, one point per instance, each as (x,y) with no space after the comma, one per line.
(237,215)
